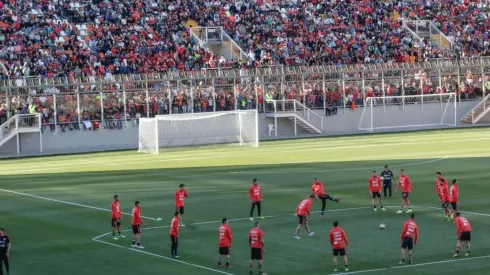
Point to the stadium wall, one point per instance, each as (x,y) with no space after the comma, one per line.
(340,124)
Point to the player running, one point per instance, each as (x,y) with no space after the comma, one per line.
(180,195)
(444,196)
(256,241)
(374,185)
(255,195)
(136,223)
(337,240)
(319,191)
(409,237)
(116,219)
(302,211)
(225,241)
(463,231)
(174,235)
(387,177)
(405,184)
(454,198)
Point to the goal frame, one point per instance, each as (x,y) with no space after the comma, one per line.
(203,115)
(369,104)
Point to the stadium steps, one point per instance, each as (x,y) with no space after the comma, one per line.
(478,112)
(298,113)
(436,40)
(18,124)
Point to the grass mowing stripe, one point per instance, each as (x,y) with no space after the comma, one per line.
(442,262)
(335,170)
(65,202)
(467,212)
(163,257)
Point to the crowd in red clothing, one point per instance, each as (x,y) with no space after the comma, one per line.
(61,38)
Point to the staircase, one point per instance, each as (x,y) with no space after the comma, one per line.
(18,124)
(296,112)
(478,112)
(426,29)
(218,41)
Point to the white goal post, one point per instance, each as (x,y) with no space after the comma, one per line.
(413,111)
(198,129)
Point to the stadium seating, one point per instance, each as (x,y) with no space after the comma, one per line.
(104,38)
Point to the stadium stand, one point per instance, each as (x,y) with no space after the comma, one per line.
(106,38)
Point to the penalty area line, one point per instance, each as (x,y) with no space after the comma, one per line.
(164,257)
(65,202)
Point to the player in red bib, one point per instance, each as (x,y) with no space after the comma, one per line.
(116,218)
(225,241)
(256,241)
(255,195)
(174,235)
(405,184)
(454,198)
(444,196)
(136,223)
(302,211)
(409,237)
(319,192)
(463,231)
(180,196)
(374,185)
(337,240)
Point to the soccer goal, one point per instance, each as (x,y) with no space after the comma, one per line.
(415,111)
(198,129)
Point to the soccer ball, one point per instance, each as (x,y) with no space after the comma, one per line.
(382,226)
(382,178)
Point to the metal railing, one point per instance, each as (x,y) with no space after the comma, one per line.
(480,109)
(427,29)
(211,35)
(295,107)
(12,125)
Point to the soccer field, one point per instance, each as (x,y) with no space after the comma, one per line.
(56,209)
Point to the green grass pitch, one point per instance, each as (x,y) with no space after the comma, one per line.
(54,208)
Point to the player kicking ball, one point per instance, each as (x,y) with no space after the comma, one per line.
(374,185)
(463,229)
(302,211)
(405,184)
(319,192)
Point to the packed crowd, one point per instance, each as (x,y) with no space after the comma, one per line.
(101,37)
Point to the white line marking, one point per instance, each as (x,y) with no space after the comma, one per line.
(235,220)
(442,262)
(309,170)
(361,271)
(66,202)
(163,257)
(467,212)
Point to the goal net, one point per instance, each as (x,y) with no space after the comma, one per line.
(198,129)
(415,111)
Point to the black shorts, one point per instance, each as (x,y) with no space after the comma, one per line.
(407,243)
(115,222)
(224,250)
(255,203)
(302,219)
(256,254)
(136,229)
(405,195)
(454,206)
(174,240)
(465,236)
(375,195)
(180,209)
(337,252)
(444,204)
(387,183)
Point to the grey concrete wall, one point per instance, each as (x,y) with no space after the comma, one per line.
(340,124)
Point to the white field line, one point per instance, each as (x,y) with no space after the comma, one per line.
(263,151)
(309,170)
(66,202)
(466,212)
(163,257)
(234,220)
